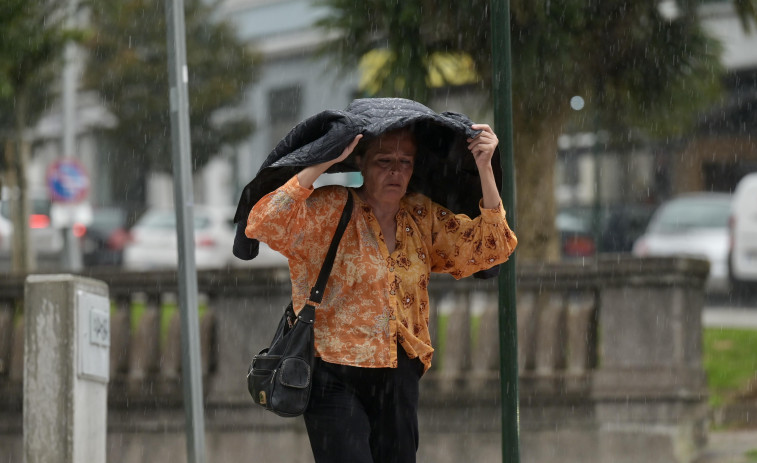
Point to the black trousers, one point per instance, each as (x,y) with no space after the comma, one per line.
(364,415)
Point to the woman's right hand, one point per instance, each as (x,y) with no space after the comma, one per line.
(347,151)
(309,175)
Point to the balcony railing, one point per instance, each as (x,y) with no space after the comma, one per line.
(593,340)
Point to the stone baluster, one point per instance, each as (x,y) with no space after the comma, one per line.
(16,371)
(486,349)
(527,310)
(171,360)
(456,361)
(208,342)
(581,324)
(550,346)
(145,353)
(120,337)
(581,340)
(6,335)
(485,368)
(170,366)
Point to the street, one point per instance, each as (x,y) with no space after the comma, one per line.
(719,311)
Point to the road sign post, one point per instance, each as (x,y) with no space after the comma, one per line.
(68,185)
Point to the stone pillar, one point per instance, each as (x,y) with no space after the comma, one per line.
(66,369)
(650,386)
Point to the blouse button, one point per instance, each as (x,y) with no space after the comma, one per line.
(391,269)
(407,229)
(444,212)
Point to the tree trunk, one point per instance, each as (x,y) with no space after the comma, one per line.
(535,153)
(23,258)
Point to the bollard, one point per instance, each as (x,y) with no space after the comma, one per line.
(66,369)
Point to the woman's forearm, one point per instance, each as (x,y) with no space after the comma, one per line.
(309,175)
(491,198)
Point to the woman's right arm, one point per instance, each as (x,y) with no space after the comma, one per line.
(277,216)
(309,175)
(282,217)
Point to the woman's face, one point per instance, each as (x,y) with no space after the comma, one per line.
(387,166)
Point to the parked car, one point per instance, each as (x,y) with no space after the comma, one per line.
(104,239)
(619,226)
(576,236)
(622,225)
(743,233)
(693,225)
(153,243)
(46,239)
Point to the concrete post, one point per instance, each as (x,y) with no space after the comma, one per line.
(66,369)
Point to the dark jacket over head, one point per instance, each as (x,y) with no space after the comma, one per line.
(445,170)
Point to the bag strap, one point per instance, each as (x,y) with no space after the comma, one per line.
(316,293)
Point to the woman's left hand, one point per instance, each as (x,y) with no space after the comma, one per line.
(483,145)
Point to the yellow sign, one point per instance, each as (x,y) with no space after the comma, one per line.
(444,69)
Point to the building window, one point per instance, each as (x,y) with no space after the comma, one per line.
(284,107)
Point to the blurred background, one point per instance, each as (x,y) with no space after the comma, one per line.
(634,135)
(619,108)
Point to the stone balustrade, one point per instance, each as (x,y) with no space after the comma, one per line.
(609,355)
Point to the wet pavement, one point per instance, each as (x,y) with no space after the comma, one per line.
(732,446)
(728,317)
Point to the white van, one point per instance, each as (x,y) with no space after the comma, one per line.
(743,227)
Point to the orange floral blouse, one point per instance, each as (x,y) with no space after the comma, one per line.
(374,299)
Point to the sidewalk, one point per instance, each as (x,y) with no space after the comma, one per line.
(730,447)
(726,317)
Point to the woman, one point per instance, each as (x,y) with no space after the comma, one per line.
(371,330)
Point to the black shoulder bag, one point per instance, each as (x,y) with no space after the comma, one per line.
(280,376)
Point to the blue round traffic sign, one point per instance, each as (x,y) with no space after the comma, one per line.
(67,181)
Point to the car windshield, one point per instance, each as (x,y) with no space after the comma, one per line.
(167,221)
(107,219)
(37,206)
(691,213)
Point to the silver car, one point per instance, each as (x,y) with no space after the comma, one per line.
(153,244)
(46,239)
(694,225)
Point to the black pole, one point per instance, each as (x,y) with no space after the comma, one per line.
(508,323)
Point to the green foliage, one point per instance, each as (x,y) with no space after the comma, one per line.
(640,69)
(730,361)
(363,26)
(746,9)
(623,56)
(128,66)
(32,37)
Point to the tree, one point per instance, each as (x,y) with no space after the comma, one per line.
(128,67)
(636,63)
(33,37)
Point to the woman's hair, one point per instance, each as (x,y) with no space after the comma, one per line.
(368,143)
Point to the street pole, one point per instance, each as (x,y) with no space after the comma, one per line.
(72,258)
(184,202)
(508,323)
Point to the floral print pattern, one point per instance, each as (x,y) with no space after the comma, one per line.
(374,299)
